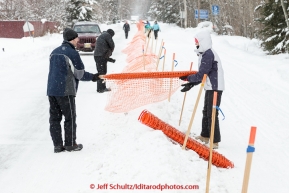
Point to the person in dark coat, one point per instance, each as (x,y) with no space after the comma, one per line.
(126,29)
(103,50)
(65,70)
(210,64)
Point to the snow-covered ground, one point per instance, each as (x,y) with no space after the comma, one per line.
(118,149)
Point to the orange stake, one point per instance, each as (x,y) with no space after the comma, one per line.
(250,151)
(211,142)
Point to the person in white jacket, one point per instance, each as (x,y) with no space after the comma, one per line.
(210,64)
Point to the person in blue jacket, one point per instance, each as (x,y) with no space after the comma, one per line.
(65,70)
(210,64)
(156,29)
(147,26)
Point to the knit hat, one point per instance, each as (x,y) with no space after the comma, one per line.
(69,34)
(111,32)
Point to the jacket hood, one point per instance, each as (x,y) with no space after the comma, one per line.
(205,41)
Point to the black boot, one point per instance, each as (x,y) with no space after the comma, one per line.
(58,149)
(75,147)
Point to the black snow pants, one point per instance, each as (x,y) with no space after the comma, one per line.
(207,116)
(101,66)
(126,34)
(156,33)
(62,105)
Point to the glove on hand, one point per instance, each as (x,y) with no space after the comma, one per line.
(95,77)
(184,78)
(187,87)
(111,60)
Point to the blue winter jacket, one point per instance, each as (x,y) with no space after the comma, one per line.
(65,71)
(209,63)
(156,27)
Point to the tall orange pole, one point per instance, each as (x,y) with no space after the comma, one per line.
(250,151)
(211,142)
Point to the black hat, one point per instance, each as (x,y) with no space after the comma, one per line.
(111,32)
(69,34)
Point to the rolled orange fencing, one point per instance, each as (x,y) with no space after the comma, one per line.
(203,151)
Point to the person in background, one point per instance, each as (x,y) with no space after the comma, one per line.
(156,29)
(126,29)
(65,70)
(147,26)
(210,64)
(103,50)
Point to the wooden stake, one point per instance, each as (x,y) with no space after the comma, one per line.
(143,57)
(184,100)
(194,111)
(250,151)
(152,44)
(211,142)
(164,60)
(155,52)
(148,42)
(160,52)
(171,80)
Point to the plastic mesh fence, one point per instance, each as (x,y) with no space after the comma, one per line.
(139,84)
(203,151)
(132,90)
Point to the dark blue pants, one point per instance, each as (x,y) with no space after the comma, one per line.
(207,116)
(62,106)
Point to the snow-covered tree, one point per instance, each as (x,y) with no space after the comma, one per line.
(274,33)
(79,10)
(109,9)
(166,11)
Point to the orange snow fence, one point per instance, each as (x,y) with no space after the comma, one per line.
(139,84)
(148,75)
(203,151)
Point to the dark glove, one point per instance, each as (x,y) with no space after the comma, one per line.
(95,77)
(111,60)
(184,78)
(187,87)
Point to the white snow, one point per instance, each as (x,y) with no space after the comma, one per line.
(118,149)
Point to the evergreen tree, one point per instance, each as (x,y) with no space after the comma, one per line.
(274,33)
(166,11)
(110,9)
(79,10)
